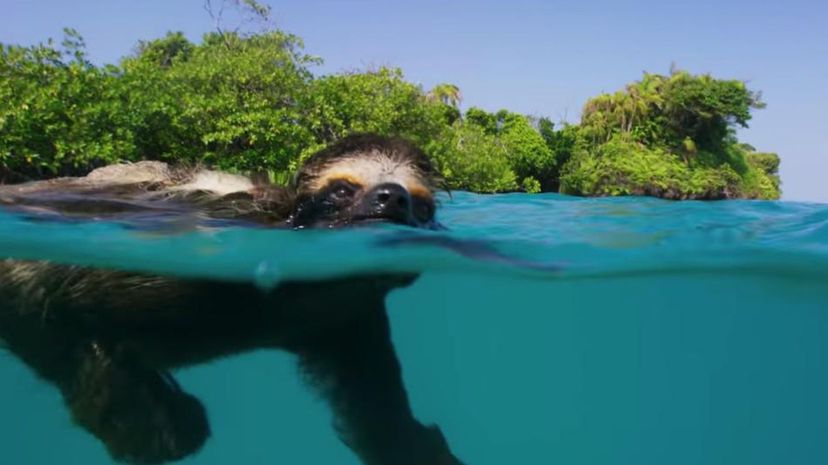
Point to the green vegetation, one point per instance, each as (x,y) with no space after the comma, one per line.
(251,103)
(670,136)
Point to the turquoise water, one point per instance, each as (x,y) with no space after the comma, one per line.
(559,330)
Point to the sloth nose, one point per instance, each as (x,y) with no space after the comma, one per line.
(390,201)
(390,197)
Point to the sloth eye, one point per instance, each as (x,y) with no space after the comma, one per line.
(342,190)
(423,210)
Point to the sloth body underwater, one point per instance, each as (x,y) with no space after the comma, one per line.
(107,339)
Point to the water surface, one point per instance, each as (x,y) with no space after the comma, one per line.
(544,329)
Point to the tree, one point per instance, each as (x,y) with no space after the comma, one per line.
(529,156)
(250,11)
(683,121)
(248,101)
(162,52)
(378,101)
(471,159)
(233,106)
(705,110)
(58,113)
(447,94)
(561,144)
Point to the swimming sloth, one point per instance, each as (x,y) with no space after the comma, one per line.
(107,339)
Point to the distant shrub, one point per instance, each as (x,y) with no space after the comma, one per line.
(470,159)
(670,136)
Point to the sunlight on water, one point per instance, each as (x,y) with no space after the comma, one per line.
(544,329)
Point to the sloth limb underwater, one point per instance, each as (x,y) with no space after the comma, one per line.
(108,339)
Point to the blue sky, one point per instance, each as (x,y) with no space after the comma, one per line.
(531,56)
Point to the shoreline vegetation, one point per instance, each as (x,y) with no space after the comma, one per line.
(250,103)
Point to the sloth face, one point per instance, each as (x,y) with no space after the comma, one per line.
(365,179)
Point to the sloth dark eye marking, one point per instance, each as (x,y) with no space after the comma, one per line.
(341,190)
(423,209)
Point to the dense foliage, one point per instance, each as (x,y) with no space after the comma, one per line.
(670,136)
(251,103)
(232,102)
(57,112)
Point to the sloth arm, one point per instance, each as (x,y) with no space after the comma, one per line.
(105,339)
(355,368)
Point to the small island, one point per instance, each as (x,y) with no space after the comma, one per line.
(250,103)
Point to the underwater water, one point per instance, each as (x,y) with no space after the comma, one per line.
(543,329)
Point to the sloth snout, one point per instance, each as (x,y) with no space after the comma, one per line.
(390,196)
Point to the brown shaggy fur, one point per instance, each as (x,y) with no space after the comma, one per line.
(107,339)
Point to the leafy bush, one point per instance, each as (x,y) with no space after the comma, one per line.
(625,167)
(768,165)
(58,113)
(230,101)
(530,158)
(471,159)
(378,101)
(251,103)
(669,136)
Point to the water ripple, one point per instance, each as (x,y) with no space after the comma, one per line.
(535,235)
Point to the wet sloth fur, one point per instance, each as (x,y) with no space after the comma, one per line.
(108,339)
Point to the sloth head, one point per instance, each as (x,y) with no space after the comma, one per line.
(357,180)
(365,179)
